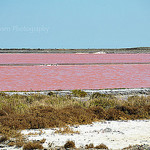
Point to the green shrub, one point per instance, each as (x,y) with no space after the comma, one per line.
(79,93)
(103,102)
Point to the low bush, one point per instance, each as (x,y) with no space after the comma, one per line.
(3,138)
(114,114)
(79,93)
(8,132)
(50,93)
(103,102)
(32,145)
(11,144)
(130,110)
(69,144)
(87,146)
(99,112)
(138,101)
(101,146)
(45,117)
(42,141)
(99,95)
(19,143)
(44,111)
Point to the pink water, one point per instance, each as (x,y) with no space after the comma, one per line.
(73,58)
(74,77)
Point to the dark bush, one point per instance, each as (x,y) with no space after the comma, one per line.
(69,144)
(3,94)
(101,146)
(131,110)
(114,114)
(99,112)
(87,146)
(50,93)
(3,138)
(76,115)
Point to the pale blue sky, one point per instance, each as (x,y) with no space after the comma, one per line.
(74,23)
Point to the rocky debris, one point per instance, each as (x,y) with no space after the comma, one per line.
(107,130)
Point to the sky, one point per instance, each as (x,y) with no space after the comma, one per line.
(74,23)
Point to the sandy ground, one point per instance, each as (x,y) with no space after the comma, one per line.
(114,134)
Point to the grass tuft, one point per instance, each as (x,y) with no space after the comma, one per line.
(32,145)
(101,146)
(66,130)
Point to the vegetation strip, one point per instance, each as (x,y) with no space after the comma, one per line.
(44,111)
(38,111)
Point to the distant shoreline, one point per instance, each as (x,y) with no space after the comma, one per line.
(135,50)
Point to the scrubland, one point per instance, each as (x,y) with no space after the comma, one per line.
(43,111)
(37,111)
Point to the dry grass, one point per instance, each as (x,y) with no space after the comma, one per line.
(32,145)
(91,146)
(42,141)
(11,144)
(19,143)
(43,111)
(66,130)
(7,131)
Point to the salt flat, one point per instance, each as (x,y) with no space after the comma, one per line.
(114,134)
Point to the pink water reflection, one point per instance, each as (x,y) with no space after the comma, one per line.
(74,77)
(73,58)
